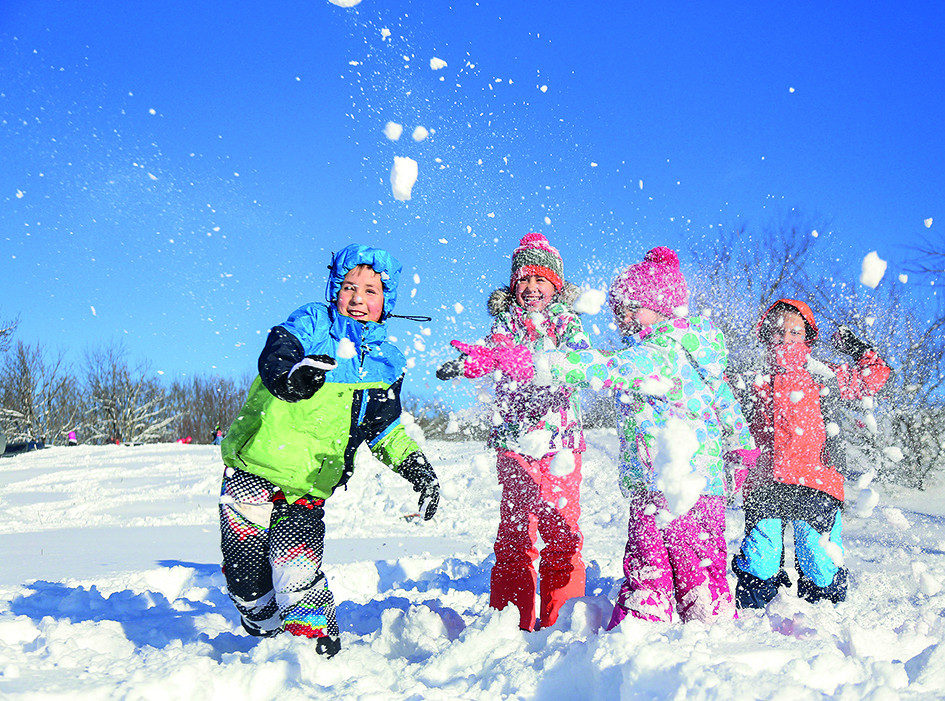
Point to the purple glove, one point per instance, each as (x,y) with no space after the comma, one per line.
(516,362)
(479,361)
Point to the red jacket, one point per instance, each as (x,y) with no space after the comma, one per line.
(787,421)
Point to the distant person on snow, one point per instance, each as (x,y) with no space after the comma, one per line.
(329,380)
(676,417)
(796,479)
(217,436)
(71,439)
(537,434)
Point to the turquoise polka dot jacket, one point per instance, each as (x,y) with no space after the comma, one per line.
(674,369)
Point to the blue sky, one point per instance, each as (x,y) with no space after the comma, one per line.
(174,175)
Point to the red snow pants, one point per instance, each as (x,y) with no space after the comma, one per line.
(536,501)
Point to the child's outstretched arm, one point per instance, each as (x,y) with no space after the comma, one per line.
(631,369)
(869,374)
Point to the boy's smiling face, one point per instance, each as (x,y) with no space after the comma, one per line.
(361,295)
(534,292)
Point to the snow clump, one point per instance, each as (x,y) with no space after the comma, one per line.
(675,445)
(437,63)
(873,270)
(403,175)
(590,302)
(393,130)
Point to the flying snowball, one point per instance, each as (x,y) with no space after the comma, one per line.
(385,32)
(393,130)
(403,175)
(420,133)
(547,221)
(590,301)
(437,63)
(873,270)
(346,349)
(562,464)
(344,3)
(928,223)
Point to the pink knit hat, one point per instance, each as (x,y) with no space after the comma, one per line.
(656,283)
(535,256)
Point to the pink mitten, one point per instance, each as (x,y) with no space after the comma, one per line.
(748,457)
(479,361)
(516,362)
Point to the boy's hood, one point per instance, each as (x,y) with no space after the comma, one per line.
(380,260)
(805,311)
(702,340)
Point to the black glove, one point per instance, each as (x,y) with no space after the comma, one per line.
(450,369)
(305,378)
(417,470)
(845,341)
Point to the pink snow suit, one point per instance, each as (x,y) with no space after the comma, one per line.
(668,382)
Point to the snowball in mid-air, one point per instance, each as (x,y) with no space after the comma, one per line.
(437,63)
(403,175)
(562,464)
(590,301)
(420,133)
(675,445)
(894,453)
(393,130)
(873,270)
(344,3)
(346,349)
(928,223)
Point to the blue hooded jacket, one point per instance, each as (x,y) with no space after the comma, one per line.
(295,445)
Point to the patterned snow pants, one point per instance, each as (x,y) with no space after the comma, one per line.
(678,569)
(534,500)
(272,555)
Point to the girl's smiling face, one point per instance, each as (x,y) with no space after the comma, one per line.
(534,292)
(361,295)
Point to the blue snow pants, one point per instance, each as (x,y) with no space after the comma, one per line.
(759,564)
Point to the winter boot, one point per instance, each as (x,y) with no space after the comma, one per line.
(834,592)
(328,646)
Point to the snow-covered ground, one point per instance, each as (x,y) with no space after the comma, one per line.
(110,588)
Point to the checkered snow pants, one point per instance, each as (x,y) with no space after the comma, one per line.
(272,557)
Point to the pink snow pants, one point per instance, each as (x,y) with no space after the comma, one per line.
(678,569)
(536,501)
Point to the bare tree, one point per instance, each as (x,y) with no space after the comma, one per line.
(206,402)
(39,397)
(928,258)
(125,404)
(745,270)
(901,434)
(7,327)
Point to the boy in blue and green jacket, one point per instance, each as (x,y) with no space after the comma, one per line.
(328,372)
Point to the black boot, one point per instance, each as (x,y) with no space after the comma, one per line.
(328,646)
(834,592)
(754,593)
